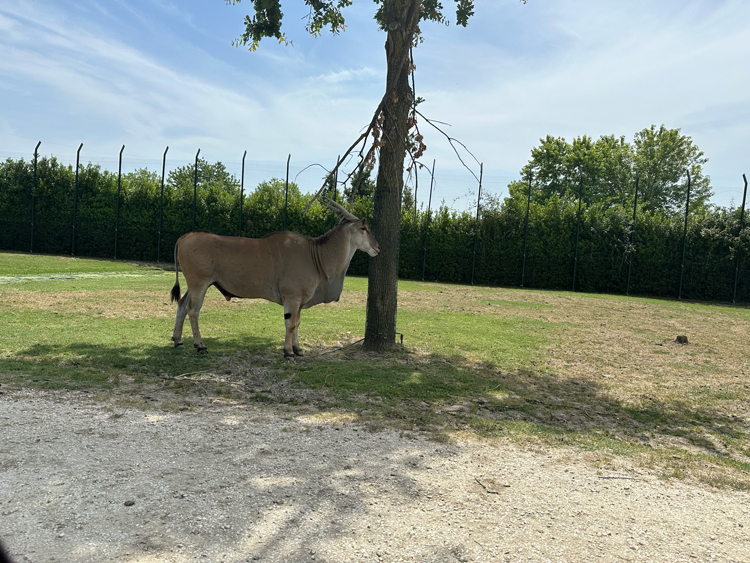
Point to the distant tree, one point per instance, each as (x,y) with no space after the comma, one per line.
(661,157)
(217,193)
(608,166)
(269,196)
(264,207)
(557,168)
(616,170)
(362,183)
(210,176)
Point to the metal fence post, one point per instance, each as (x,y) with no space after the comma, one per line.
(684,236)
(476,228)
(632,235)
(195,188)
(286,191)
(34,189)
(75,201)
(242,190)
(739,250)
(161,204)
(427,224)
(526,233)
(578,226)
(117,203)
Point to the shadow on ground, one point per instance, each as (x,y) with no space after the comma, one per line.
(442,394)
(94,366)
(437,394)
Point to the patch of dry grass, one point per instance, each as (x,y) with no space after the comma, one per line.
(625,345)
(110,304)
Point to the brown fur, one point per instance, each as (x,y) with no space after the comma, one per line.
(287,268)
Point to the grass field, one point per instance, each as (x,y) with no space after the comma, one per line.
(592,372)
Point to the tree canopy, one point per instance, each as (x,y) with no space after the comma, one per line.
(267,18)
(607,168)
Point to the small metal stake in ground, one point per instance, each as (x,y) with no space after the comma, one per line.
(578,227)
(242,189)
(427,225)
(34,189)
(526,233)
(684,236)
(117,202)
(739,249)
(632,235)
(75,201)
(476,225)
(161,204)
(195,187)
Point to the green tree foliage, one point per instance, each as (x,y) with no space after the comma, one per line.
(16,184)
(661,156)
(607,167)
(363,184)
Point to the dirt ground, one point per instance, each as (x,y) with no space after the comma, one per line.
(82,481)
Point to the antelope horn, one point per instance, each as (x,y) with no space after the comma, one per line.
(340,210)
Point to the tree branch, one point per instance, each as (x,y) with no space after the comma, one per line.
(451,140)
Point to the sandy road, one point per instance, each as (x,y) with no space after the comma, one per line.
(222,483)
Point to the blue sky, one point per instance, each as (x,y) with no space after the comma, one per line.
(154,73)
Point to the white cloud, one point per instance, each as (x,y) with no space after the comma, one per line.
(140,73)
(149,102)
(348,75)
(612,70)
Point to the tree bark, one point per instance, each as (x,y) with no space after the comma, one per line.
(401,19)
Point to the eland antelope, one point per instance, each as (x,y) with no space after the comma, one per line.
(287,268)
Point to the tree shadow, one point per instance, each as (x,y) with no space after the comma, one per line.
(442,393)
(437,393)
(272,484)
(82,365)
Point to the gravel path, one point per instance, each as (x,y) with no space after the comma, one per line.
(83,483)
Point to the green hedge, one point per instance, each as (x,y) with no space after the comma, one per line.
(604,248)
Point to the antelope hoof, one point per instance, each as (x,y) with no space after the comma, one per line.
(202,349)
(299,351)
(288,354)
(177,344)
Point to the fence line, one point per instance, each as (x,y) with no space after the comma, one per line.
(630,251)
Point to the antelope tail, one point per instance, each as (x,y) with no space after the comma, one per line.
(176,288)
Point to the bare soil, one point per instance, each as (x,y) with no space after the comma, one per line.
(86,481)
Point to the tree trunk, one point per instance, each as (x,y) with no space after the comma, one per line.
(401,18)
